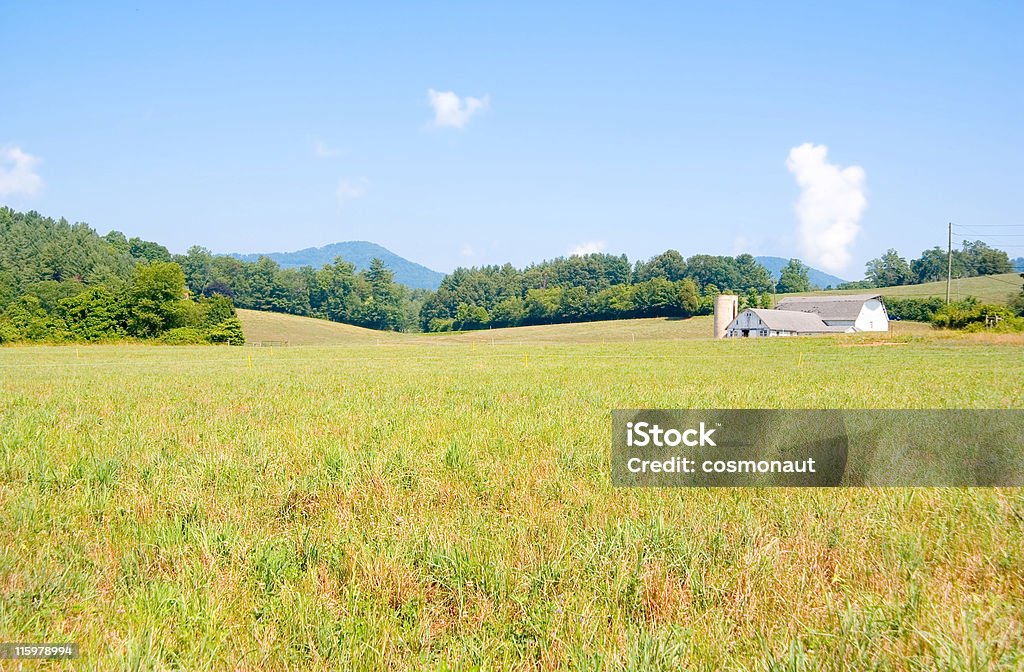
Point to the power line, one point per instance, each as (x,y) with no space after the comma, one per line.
(994,235)
(963,239)
(988,226)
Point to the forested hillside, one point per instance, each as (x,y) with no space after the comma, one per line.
(62,282)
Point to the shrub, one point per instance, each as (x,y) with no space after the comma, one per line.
(184,336)
(441,324)
(975,316)
(229,331)
(917,309)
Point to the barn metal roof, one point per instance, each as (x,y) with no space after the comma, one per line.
(793,320)
(837,307)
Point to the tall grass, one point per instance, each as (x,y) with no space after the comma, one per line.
(418,506)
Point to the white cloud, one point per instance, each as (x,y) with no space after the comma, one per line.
(452,111)
(17,173)
(467,250)
(349,190)
(831,203)
(322,150)
(589,247)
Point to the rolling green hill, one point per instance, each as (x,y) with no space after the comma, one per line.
(260,327)
(988,288)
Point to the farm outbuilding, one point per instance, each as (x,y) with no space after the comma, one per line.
(863,312)
(795,316)
(765,322)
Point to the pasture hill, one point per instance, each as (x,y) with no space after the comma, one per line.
(1001,289)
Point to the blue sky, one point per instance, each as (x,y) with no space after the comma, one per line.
(626,128)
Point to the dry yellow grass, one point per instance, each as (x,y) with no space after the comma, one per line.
(411,506)
(262,327)
(278,327)
(266,327)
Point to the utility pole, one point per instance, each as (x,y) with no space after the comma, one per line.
(949,262)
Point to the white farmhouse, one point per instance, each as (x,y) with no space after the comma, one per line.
(796,316)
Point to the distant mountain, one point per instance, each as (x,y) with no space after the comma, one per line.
(818,278)
(359,253)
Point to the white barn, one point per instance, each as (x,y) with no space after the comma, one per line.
(796,316)
(862,312)
(765,322)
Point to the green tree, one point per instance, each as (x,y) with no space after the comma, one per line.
(656,298)
(27,320)
(260,277)
(382,309)
(793,278)
(573,305)
(753,276)
(93,315)
(981,259)
(932,266)
(337,291)
(1017,303)
(150,301)
(542,305)
(471,317)
(508,312)
(889,270)
(669,265)
(144,250)
(197,265)
(688,296)
(705,269)
(8,288)
(229,331)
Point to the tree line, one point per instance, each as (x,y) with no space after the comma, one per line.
(600,287)
(369,298)
(579,288)
(975,258)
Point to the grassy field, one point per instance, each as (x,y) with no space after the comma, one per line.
(277,327)
(261,327)
(989,288)
(426,501)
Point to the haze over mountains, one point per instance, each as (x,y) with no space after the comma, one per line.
(359,253)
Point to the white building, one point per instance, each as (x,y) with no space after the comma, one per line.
(796,316)
(765,322)
(863,312)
